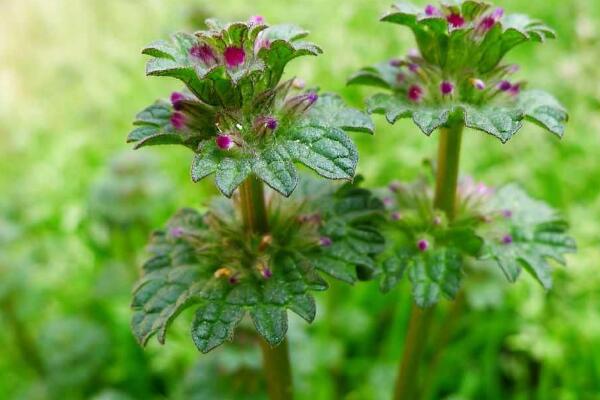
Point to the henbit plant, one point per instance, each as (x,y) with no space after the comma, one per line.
(247,127)
(458,79)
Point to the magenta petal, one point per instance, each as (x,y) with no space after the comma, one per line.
(446,88)
(257,20)
(423,245)
(504,86)
(204,53)
(455,20)
(415,93)
(234,56)
(178,120)
(224,142)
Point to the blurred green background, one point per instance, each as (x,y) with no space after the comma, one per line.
(77,205)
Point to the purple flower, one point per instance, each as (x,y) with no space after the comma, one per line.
(507,239)
(396,62)
(415,93)
(205,53)
(265,271)
(388,201)
(432,11)
(446,87)
(396,216)
(413,67)
(271,123)
(256,20)
(455,20)
(177,100)
(176,231)
(423,245)
(325,241)
(262,42)
(504,86)
(301,102)
(507,213)
(478,84)
(515,89)
(262,124)
(178,120)
(498,13)
(224,142)
(234,56)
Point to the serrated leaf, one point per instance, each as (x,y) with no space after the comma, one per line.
(270,322)
(331,111)
(501,122)
(214,323)
(205,163)
(275,167)
(231,172)
(544,110)
(433,273)
(536,232)
(326,150)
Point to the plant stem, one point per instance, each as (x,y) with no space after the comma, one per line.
(420,319)
(276,360)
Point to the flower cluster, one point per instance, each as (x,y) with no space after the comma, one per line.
(503,225)
(238,116)
(458,73)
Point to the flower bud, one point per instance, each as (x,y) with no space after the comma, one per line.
(504,86)
(178,120)
(415,93)
(507,213)
(256,20)
(224,142)
(478,84)
(446,87)
(264,270)
(325,241)
(234,56)
(423,245)
(205,53)
(396,216)
(301,103)
(177,100)
(176,231)
(298,83)
(507,239)
(515,89)
(432,11)
(395,62)
(455,20)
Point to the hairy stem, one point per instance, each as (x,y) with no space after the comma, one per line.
(276,360)
(420,319)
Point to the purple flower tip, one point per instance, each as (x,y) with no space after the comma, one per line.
(234,56)
(176,100)
(432,11)
(478,84)
(205,53)
(507,213)
(415,93)
(413,67)
(504,86)
(498,13)
(396,62)
(515,89)
(265,272)
(176,231)
(423,245)
(233,280)
(325,241)
(396,216)
(446,88)
(455,20)
(507,239)
(257,20)
(271,123)
(178,120)
(312,98)
(224,142)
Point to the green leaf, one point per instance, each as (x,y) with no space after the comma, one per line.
(275,167)
(231,172)
(326,150)
(270,322)
(382,75)
(537,234)
(214,323)
(434,273)
(501,122)
(331,111)
(544,110)
(205,163)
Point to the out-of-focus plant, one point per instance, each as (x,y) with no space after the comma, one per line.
(258,256)
(457,78)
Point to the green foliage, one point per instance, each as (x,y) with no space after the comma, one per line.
(238,118)
(210,261)
(459,74)
(536,233)
(505,225)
